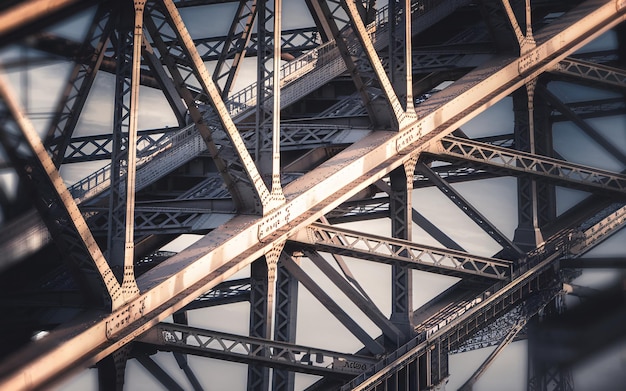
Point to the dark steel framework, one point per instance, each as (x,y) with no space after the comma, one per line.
(350,118)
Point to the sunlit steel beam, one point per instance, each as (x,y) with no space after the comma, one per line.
(228,249)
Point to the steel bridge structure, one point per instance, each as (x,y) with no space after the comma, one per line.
(286,189)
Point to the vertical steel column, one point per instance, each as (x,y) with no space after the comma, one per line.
(80,81)
(264,88)
(401,213)
(122,209)
(276,190)
(400,58)
(262,295)
(285,321)
(129,285)
(528,234)
(112,370)
(268,87)
(546,192)
(258,375)
(122,41)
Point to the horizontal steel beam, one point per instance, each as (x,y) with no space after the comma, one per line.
(555,169)
(592,71)
(283,355)
(380,249)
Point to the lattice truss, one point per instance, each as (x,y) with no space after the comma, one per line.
(308,166)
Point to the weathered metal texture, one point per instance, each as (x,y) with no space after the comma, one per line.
(171,286)
(121,228)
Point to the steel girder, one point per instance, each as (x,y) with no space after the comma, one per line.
(185,339)
(298,213)
(534,285)
(575,175)
(359,245)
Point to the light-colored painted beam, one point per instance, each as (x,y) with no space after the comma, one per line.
(30,11)
(218,255)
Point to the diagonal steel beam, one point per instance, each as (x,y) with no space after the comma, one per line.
(226,250)
(183,74)
(208,86)
(477,217)
(351,325)
(57,207)
(389,329)
(360,31)
(165,82)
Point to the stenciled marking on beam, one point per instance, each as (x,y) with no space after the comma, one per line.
(280,218)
